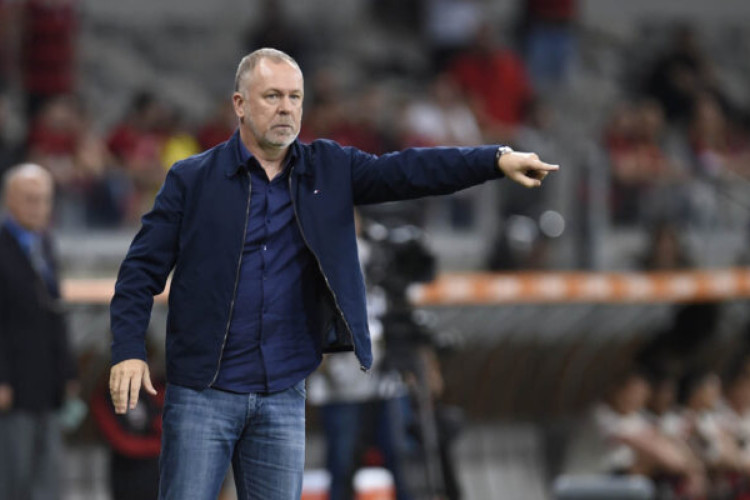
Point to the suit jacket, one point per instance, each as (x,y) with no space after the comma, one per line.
(35,358)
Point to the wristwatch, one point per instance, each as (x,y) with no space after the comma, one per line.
(502,150)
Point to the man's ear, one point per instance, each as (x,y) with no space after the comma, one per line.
(237,101)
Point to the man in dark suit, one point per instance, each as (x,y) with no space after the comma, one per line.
(36,370)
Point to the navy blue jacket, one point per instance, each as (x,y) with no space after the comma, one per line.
(197,226)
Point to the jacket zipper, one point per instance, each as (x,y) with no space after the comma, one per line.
(322,273)
(236,281)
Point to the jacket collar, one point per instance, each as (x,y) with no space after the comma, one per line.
(233,161)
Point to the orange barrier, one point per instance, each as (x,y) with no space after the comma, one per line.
(529,287)
(94,291)
(687,286)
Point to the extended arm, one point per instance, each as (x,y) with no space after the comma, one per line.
(418,172)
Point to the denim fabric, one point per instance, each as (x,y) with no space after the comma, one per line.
(261,435)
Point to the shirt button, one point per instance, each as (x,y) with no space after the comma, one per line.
(265,247)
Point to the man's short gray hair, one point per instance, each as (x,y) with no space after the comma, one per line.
(250,61)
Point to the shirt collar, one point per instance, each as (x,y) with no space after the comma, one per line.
(244,155)
(25,237)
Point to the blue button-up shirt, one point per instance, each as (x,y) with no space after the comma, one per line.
(28,240)
(271,343)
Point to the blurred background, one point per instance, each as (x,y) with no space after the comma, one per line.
(644,104)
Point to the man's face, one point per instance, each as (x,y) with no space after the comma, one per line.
(269,104)
(29,201)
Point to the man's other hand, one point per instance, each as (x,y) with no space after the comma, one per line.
(525,168)
(125,380)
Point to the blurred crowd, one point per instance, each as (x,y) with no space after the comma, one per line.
(680,131)
(675,130)
(479,88)
(685,428)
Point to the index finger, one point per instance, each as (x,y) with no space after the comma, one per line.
(548,167)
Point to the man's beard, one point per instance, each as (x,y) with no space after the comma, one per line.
(273,139)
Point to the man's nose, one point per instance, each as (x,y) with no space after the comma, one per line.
(285,106)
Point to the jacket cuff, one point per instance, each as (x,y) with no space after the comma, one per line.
(121,353)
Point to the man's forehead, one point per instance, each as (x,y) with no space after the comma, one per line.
(270,71)
(29,181)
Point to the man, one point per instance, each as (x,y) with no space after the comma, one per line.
(36,369)
(260,233)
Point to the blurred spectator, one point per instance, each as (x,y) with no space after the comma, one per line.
(495,81)
(661,406)
(549,41)
(434,420)
(367,126)
(538,131)
(442,118)
(134,439)
(48,54)
(137,143)
(399,259)
(699,395)
(681,74)
(645,163)
(719,148)
(356,119)
(623,440)
(450,27)
(664,415)
(666,251)
(36,366)
(179,141)
(62,139)
(735,411)
(219,127)
(360,410)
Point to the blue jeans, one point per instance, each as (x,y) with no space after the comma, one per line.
(262,435)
